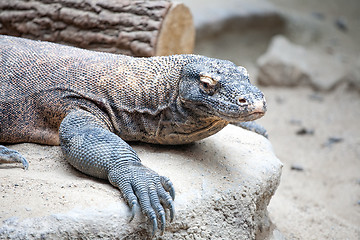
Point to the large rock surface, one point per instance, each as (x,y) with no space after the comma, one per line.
(223,185)
(288,64)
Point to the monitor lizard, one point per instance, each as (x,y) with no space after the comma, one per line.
(90,103)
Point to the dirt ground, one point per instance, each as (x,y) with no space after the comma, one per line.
(321,201)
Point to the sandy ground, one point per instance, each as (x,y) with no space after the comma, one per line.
(320,202)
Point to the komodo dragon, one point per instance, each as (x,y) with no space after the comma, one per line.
(90,103)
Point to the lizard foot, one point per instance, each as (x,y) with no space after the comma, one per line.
(141,186)
(12,156)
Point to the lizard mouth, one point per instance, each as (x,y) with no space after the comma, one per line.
(228,111)
(253,116)
(241,117)
(243,111)
(235,113)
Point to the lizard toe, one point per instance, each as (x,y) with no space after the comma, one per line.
(116,179)
(154,224)
(167,201)
(163,221)
(12,156)
(156,201)
(146,198)
(25,163)
(160,212)
(134,208)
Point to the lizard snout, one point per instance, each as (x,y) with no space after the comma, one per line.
(259,106)
(253,106)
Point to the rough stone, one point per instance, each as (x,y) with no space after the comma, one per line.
(223,185)
(288,64)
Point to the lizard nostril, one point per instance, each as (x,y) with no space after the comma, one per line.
(241,101)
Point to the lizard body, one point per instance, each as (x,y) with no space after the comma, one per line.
(91,103)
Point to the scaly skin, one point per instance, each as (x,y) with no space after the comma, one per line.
(91,103)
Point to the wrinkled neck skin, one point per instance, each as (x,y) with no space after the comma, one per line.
(173,125)
(182,125)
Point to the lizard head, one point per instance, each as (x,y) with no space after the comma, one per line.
(219,88)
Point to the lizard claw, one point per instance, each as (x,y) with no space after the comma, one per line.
(162,224)
(154,226)
(12,156)
(172,212)
(167,184)
(24,163)
(133,210)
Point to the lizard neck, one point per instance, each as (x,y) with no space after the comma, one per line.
(144,85)
(180,125)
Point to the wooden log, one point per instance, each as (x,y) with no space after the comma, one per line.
(131,27)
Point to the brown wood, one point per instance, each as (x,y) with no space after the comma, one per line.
(131,27)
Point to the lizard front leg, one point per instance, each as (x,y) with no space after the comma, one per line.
(90,147)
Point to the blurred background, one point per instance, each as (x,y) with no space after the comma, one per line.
(305,56)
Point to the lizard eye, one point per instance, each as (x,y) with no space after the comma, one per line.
(208,84)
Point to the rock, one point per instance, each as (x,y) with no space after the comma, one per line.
(332,140)
(223,185)
(318,15)
(341,24)
(297,167)
(287,64)
(305,131)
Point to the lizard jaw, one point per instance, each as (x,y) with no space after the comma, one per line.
(232,112)
(253,116)
(241,117)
